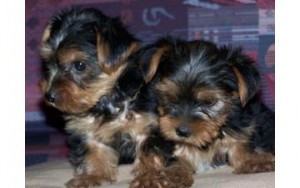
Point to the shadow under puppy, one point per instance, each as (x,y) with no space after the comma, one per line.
(92,76)
(208,114)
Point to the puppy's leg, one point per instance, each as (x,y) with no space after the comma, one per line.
(100,164)
(246,160)
(151,172)
(156,166)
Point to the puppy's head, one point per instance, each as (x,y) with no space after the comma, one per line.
(84,52)
(199,87)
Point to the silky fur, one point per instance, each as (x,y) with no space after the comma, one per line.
(93,77)
(208,113)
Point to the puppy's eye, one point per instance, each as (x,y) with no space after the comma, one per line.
(79,66)
(207,103)
(172,111)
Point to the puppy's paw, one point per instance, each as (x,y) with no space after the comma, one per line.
(161,179)
(87,181)
(150,180)
(253,166)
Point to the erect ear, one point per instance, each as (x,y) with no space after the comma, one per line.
(45,49)
(150,61)
(113,49)
(246,75)
(46,33)
(103,53)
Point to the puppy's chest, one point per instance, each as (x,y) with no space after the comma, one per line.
(127,122)
(203,160)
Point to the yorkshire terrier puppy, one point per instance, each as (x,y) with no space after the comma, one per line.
(92,76)
(208,114)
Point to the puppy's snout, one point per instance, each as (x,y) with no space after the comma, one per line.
(183,131)
(50,96)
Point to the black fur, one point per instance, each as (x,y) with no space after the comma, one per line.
(88,31)
(202,64)
(156,143)
(78,150)
(81,25)
(125,147)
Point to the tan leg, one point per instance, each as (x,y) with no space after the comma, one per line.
(99,165)
(152,172)
(247,161)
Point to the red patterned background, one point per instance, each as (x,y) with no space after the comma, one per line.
(246,23)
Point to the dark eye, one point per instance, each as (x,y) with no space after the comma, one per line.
(79,66)
(207,103)
(172,111)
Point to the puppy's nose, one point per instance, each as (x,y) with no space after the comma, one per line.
(50,96)
(183,131)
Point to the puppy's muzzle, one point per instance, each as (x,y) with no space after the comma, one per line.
(183,131)
(50,97)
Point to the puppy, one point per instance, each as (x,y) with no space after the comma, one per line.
(208,114)
(92,76)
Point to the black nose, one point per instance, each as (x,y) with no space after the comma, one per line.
(183,131)
(50,96)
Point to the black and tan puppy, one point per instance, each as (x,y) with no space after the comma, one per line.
(208,114)
(92,76)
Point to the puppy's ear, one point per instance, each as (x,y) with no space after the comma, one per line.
(150,60)
(246,75)
(114,45)
(103,53)
(45,49)
(46,33)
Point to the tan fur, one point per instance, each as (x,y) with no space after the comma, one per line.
(45,50)
(74,100)
(199,160)
(206,132)
(154,62)
(70,55)
(100,165)
(135,125)
(208,94)
(102,160)
(169,89)
(148,161)
(203,132)
(168,125)
(243,159)
(242,86)
(43,85)
(152,172)
(76,96)
(121,60)
(132,49)
(46,33)
(103,53)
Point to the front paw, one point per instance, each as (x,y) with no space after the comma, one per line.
(84,182)
(150,180)
(161,179)
(253,166)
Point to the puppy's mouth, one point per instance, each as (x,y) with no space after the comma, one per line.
(51,98)
(192,141)
(187,137)
(66,104)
